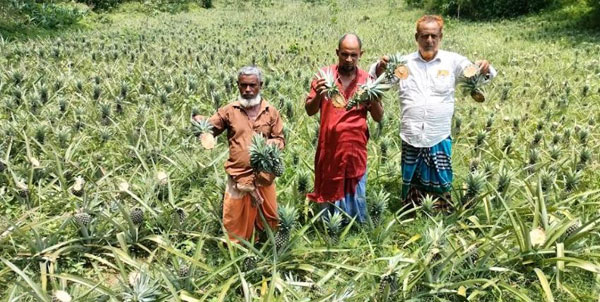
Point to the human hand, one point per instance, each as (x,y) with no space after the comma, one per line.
(321,87)
(484,66)
(382,65)
(256,198)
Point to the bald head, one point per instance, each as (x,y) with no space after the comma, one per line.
(350,40)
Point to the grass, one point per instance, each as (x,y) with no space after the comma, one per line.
(111,102)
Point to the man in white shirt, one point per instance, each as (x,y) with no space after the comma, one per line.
(427,106)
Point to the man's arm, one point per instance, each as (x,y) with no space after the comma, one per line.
(377,68)
(376,110)
(276,136)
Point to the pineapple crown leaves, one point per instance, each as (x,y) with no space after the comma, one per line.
(334,223)
(265,157)
(143,288)
(327,74)
(200,127)
(288,215)
(472,79)
(370,91)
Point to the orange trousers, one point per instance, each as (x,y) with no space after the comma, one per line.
(240,215)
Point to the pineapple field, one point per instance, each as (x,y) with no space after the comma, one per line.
(107,194)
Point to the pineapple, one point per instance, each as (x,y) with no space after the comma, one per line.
(302,183)
(287,220)
(388,286)
(572,179)
(137,216)
(573,228)
(82,218)
(249,263)
(184,270)
(265,157)
(77,188)
(504,179)
(204,130)
(333,225)
(396,68)
(368,92)
(180,214)
(379,206)
(472,82)
(428,203)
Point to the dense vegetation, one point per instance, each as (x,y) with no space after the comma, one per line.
(107,195)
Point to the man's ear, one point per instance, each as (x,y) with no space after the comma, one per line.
(416,36)
(337,52)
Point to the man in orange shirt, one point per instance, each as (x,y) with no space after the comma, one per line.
(247,190)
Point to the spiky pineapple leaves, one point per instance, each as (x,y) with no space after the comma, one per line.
(333,93)
(370,91)
(472,82)
(265,157)
(396,68)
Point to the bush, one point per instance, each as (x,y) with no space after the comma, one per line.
(207,3)
(481,9)
(48,15)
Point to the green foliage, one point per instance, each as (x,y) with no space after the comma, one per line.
(47,15)
(482,9)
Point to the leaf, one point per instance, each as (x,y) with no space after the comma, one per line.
(36,289)
(545,285)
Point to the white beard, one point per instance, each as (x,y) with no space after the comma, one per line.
(248,103)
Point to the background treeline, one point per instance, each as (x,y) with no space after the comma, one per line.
(51,14)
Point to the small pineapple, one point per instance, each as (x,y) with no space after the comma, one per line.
(475,182)
(572,228)
(302,183)
(572,179)
(388,286)
(180,215)
(77,188)
(379,205)
(184,270)
(504,179)
(333,225)
(82,218)
(137,216)
(249,263)
(265,157)
(203,129)
(287,220)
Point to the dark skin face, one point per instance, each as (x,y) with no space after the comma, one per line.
(249,86)
(428,36)
(348,53)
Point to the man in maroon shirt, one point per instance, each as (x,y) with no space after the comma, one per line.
(341,158)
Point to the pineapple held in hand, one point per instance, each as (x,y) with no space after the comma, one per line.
(333,92)
(370,91)
(472,82)
(396,68)
(203,129)
(265,157)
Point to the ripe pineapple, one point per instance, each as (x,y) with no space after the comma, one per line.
(203,129)
(378,206)
(287,220)
(333,225)
(137,216)
(265,157)
(368,92)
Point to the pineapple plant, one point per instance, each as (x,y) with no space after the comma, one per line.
(388,286)
(475,182)
(288,216)
(249,263)
(573,228)
(332,90)
(137,216)
(203,129)
(302,183)
(333,225)
(368,92)
(265,157)
(472,82)
(378,206)
(396,68)
(184,270)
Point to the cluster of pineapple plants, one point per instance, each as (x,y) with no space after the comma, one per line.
(107,195)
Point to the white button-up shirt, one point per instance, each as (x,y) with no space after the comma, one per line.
(427,96)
